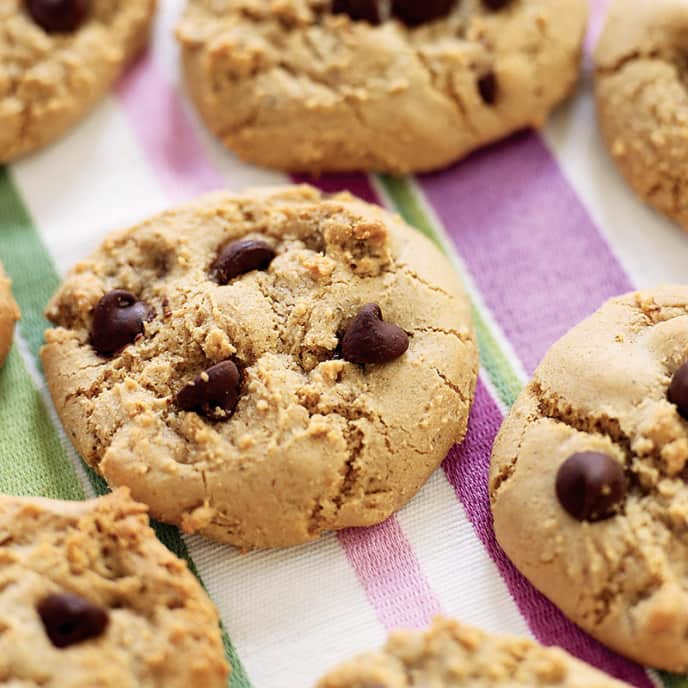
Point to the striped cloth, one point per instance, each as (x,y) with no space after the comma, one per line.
(542,230)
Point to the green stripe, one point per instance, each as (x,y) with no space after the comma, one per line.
(34,280)
(673,680)
(507,383)
(27,432)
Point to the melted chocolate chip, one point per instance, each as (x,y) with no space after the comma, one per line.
(240,257)
(55,16)
(117,321)
(214,393)
(415,12)
(358,10)
(69,619)
(678,390)
(591,486)
(496,4)
(369,339)
(487,87)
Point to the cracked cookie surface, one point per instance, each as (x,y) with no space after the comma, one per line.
(291,85)
(307,442)
(603,389)
(642,99)
(9,314)
(79,581)
(453,655)
(48,81)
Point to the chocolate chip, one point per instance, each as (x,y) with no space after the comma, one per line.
(414,12)
(214,393)
(56,16)
(369,339)
(359,10)
(678,390)
(496,4)
(117,321)
(487,86)
(69,619)
(240,257)
(591,486)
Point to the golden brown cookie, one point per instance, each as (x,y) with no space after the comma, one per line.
(264,367)
(642,99)
(336,85)
(9,314)
(588,479)
(57,59)
(452,655)
(90,597)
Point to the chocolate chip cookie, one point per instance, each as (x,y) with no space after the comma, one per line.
(9,314)
(57,59)
(264,367)
(642,99)
(588,478)
(90,597)
(400,86)
(451,654)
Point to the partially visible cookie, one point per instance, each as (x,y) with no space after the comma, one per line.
(452,655)
(642,99)
(264,367)
(57,59)
(588,478)
(336,85)
(9,314)
(90,597)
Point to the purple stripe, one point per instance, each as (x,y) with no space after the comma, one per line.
(382,557)
(530,245)
(391,575)
(467,469)
(358,184)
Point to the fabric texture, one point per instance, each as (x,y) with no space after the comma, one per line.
(542,229)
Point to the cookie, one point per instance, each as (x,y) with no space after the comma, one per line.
(588,477)
(453,655)
(9,314)
(57,59)
(90,597)
(264,367)
(642,101)
(341,85)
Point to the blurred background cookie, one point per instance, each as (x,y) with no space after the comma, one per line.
(320,85)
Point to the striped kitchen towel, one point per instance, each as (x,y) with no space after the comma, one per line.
(540,227)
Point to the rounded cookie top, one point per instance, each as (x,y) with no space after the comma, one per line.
(451,654)
(9,314)
(588,477)
(264,367)
(80,580)
(57,58)
(310,85)
(642,99)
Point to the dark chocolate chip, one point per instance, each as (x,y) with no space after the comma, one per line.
(240,257)
(117,321)
(415,12)
(678,390)
(69,619)
(369,339)
(56,16)
(487,86)
(359,10)
(214,393)
(496,4)
(591,486)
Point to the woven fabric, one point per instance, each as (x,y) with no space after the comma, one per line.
(542,230)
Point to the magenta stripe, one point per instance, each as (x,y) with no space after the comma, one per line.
(357,184)
(382,557)
(530,245)
(164,131)
(467,469)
